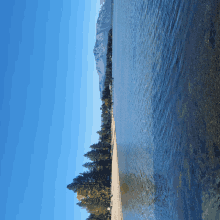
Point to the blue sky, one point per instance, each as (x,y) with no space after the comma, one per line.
(49,105)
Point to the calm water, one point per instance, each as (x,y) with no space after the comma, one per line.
(167,108)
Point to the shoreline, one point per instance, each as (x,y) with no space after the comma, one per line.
(116,204)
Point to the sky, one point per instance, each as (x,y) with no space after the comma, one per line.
(49,105)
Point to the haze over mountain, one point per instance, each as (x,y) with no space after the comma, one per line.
(103,26)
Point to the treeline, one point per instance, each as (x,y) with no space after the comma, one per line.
(93,187)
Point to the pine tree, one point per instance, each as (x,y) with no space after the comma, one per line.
(98,165)
(97,155)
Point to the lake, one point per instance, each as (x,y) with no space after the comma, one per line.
(166,108)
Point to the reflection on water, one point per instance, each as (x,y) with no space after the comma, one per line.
(167,108)
(136,189)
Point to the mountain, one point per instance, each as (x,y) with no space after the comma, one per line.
(103,25)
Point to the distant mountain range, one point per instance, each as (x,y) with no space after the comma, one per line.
(103,25)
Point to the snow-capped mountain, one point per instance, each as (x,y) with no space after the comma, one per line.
(103,25)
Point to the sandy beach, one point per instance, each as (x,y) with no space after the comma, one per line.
(116,210)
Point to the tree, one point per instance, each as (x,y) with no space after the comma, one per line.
(97,155)
(95,205)
(98,165)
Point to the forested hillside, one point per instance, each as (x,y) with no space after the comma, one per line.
(93,186)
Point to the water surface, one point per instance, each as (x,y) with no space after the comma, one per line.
(166,108)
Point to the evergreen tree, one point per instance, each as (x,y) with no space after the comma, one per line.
(98,165)
(97,155)
(96,205)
